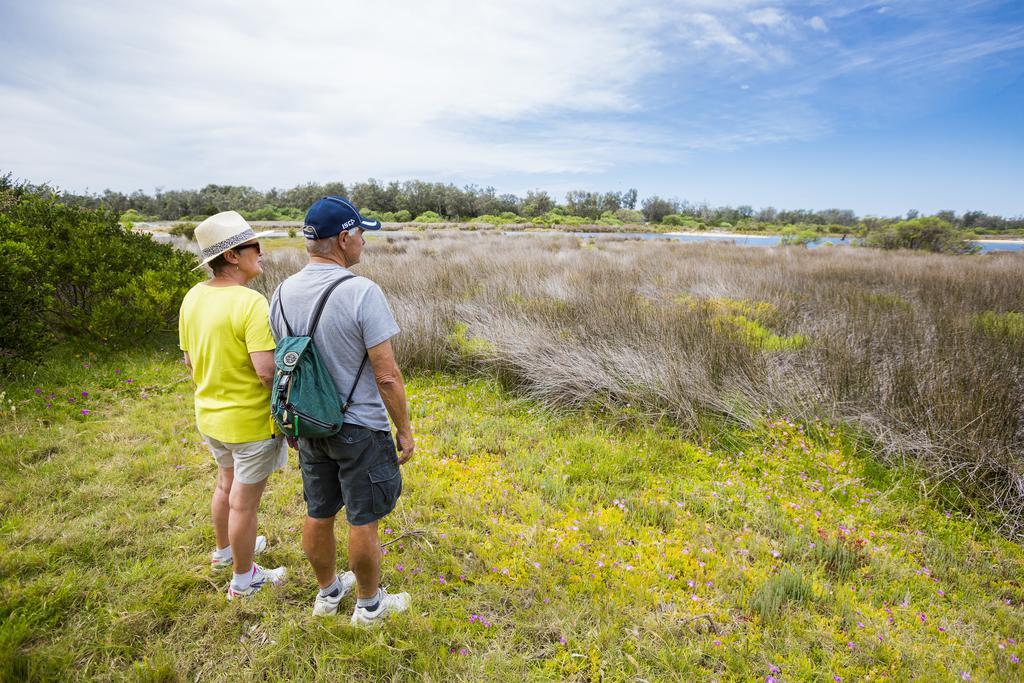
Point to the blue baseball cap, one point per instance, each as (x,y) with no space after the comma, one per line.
(331,215)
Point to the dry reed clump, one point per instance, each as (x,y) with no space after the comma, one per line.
(890,341)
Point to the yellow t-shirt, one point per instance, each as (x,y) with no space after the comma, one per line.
(218,327)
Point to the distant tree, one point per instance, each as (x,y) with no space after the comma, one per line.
(655,208)
(536,203)
(629,198)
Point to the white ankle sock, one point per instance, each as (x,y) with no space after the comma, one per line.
(242,581)
(223,553)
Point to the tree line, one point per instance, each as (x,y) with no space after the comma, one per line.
(403,201)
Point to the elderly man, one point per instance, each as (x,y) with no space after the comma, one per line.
(358,468)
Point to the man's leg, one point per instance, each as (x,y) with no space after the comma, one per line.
(364,555)
(220,505)
(244,500)
(321,550)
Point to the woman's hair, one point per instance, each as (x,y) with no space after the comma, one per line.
(218,264)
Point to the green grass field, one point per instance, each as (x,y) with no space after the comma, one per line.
(536,546)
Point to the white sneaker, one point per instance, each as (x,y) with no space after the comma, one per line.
(325,605)
(260,577)
(389,604)
(219,563)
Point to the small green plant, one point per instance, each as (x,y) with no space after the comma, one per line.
(840,555)
(469,347)
(775,594)
(1009,325)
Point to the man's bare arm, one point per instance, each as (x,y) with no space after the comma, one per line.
(392,390)
(263,364)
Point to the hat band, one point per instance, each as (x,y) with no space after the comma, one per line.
(224,245)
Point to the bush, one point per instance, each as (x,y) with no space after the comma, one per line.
(794,236)
(269,212)
(629,216)
(184,230)
(78,273)
(608,218)
(926,234)
(429,217)
(402,216)
(131,216)
(22,291)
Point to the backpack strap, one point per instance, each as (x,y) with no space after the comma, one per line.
(348,401)
(280,309)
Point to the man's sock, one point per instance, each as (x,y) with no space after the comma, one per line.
(243,580)
(333,590)
(369,604)
(222,553)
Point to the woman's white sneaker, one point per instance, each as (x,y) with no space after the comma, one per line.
(219,562)
(389,604)
(260,578)
(326,605)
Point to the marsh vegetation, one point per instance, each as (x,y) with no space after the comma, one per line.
(923,354)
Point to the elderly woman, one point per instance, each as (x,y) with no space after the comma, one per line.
(224,331)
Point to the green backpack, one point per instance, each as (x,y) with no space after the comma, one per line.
(304,400)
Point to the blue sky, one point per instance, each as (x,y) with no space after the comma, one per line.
(876,106)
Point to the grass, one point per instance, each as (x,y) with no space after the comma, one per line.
(921,353)
(542,546)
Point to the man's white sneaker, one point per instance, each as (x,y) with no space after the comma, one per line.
(221,563)
(260,578)
(389,604)
(326,605)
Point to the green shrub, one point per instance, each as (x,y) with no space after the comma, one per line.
(131,216)
(402,216)
(558,217)
(926,234)
(269,212)
(23,291)
(674,219)
(184,230)
(429,217)
(89,276)
(630,216)
(794,236)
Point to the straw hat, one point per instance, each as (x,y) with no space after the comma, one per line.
(221,232)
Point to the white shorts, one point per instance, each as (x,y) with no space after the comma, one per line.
(252,461)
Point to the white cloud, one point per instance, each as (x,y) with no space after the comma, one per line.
(767,16)
(192,91)
(818,24)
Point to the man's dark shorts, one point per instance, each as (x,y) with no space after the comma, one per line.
(357,469)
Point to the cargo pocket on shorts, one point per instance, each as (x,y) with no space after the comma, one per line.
(385,487)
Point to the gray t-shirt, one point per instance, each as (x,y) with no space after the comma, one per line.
(355,318)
